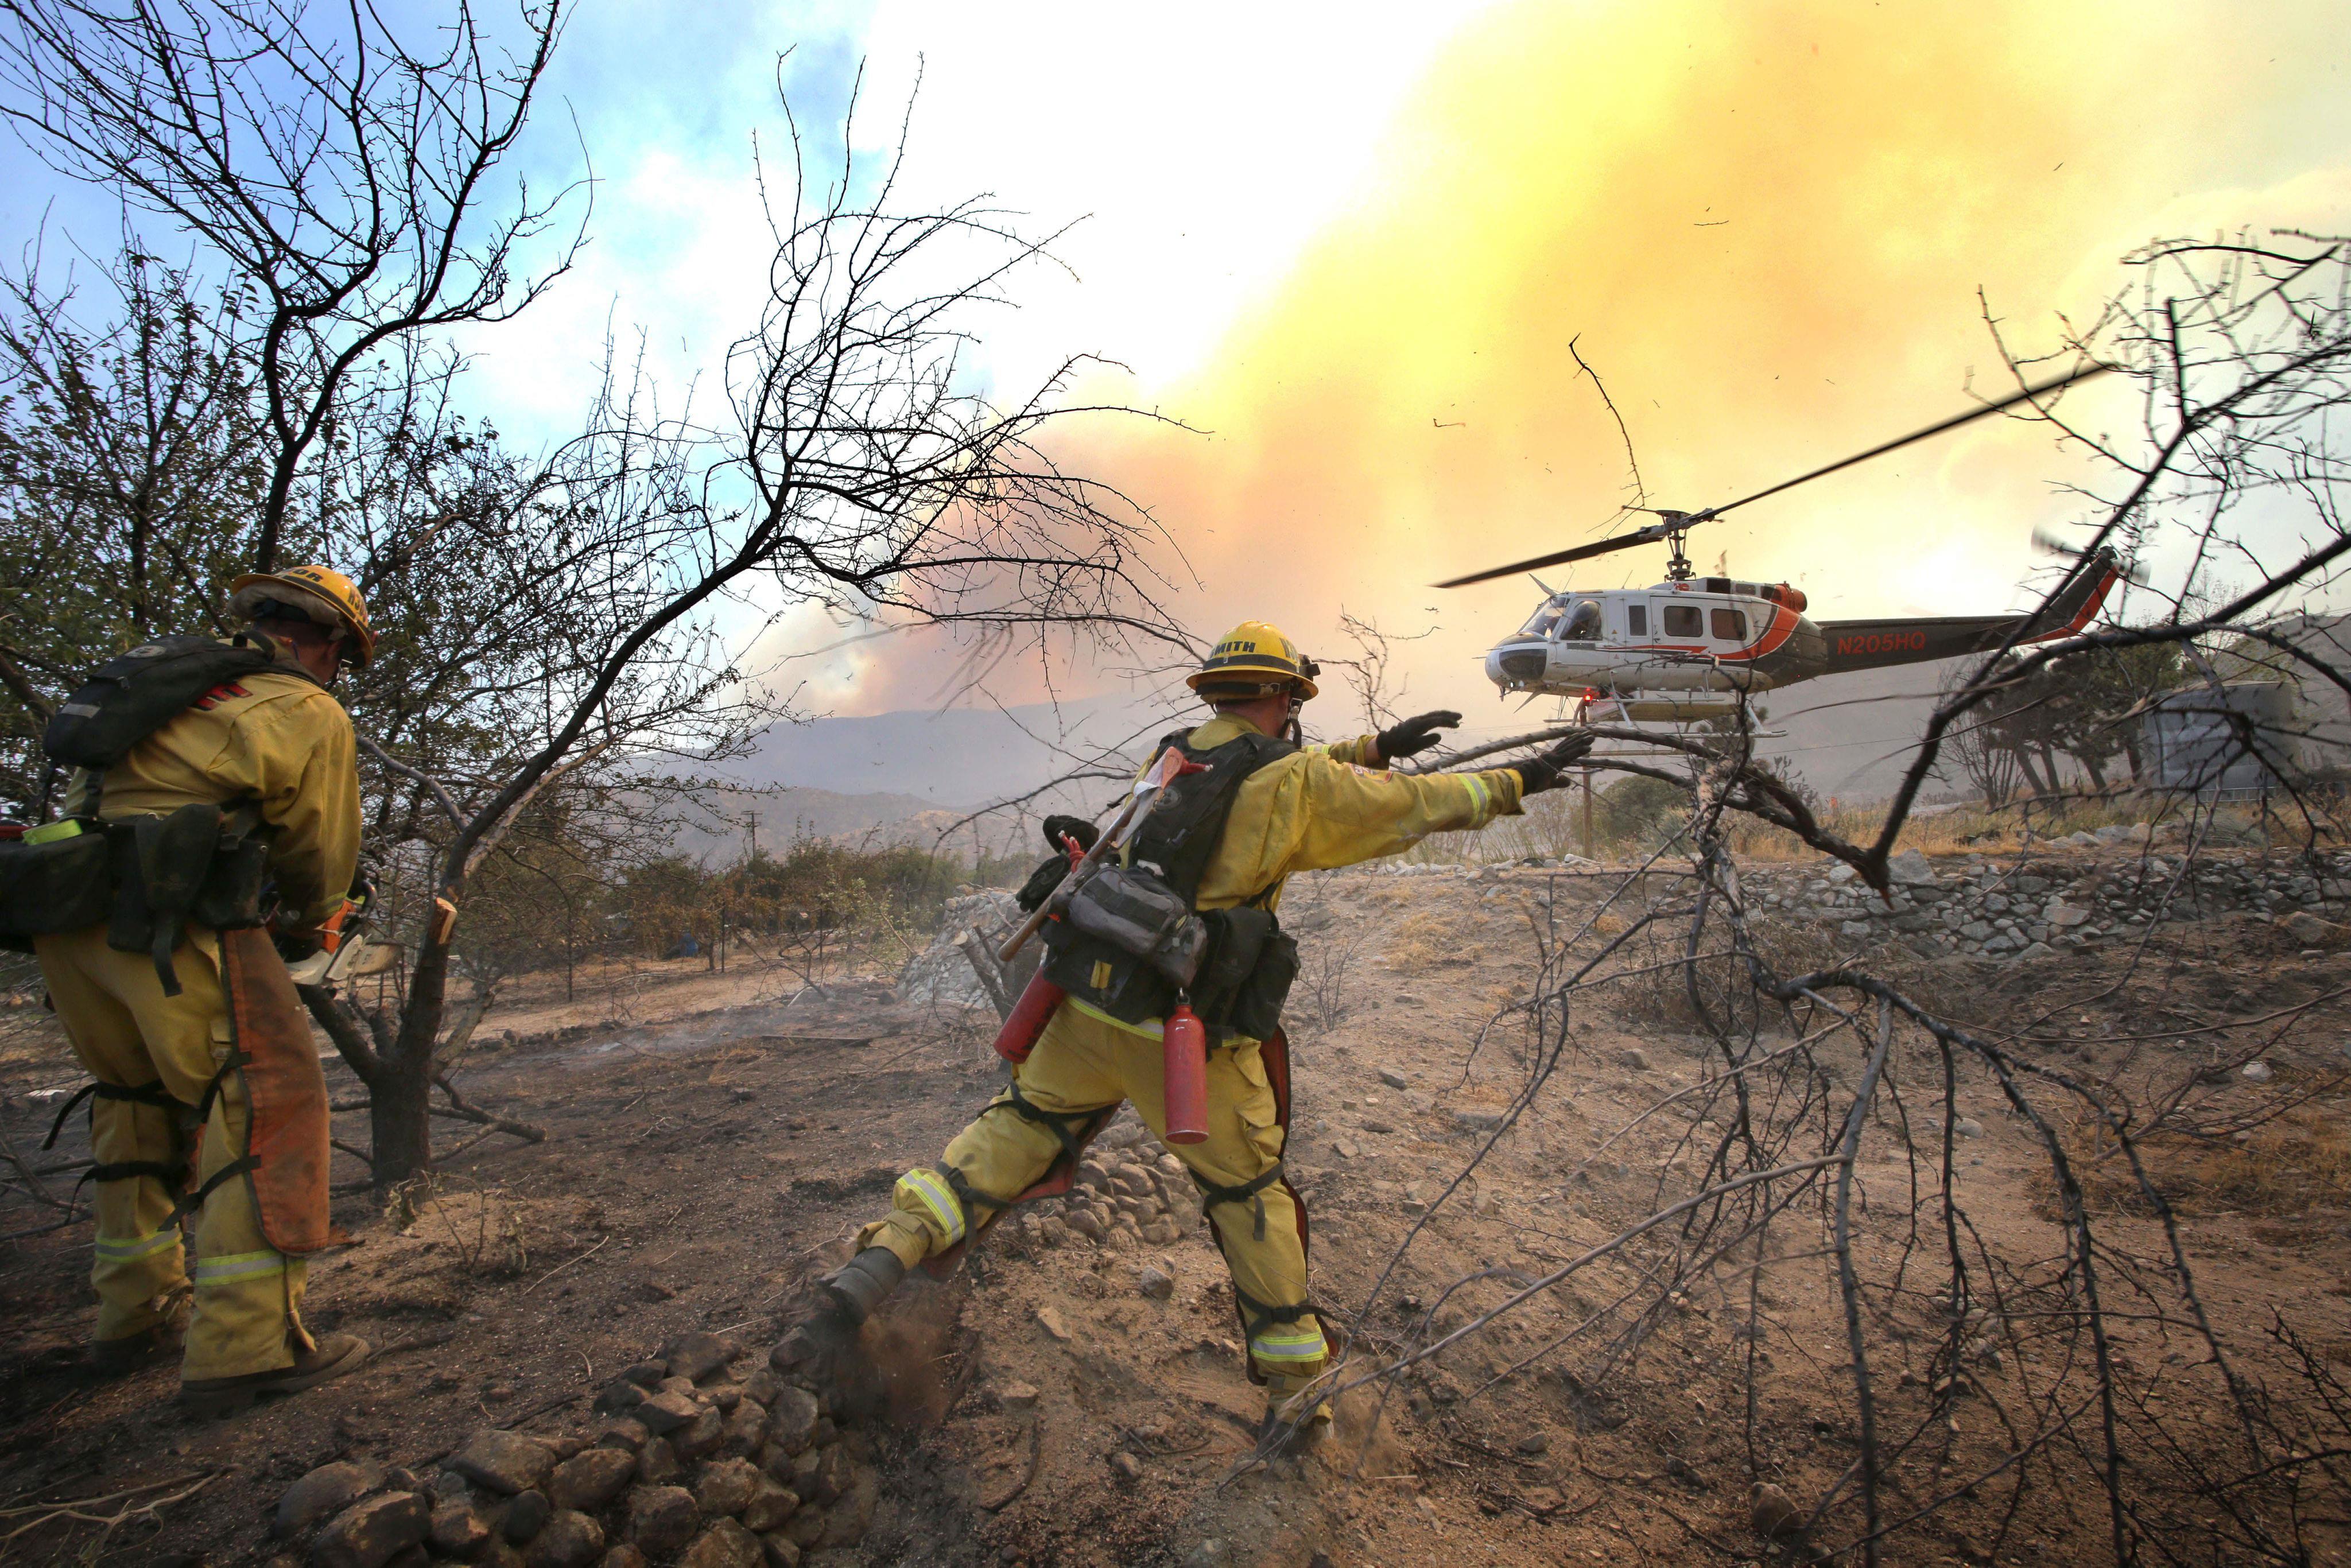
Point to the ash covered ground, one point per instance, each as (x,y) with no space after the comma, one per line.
(1076,1395)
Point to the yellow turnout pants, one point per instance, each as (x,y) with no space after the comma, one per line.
(1084,1063)
(128,1033)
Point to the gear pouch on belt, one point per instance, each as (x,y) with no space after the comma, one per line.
(160,865)
(58,885)
(1256,1011)
(230,896)
(1236,938)
(1135,913)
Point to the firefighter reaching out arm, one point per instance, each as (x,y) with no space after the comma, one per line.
(1250,808)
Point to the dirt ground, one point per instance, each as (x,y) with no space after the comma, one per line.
(708,1147)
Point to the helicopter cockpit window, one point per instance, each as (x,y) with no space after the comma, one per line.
(1541,622)
(1584,626)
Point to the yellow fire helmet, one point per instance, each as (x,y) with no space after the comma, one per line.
(319,593)
(1255,654)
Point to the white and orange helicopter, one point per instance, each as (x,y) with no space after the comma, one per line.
(1685,650)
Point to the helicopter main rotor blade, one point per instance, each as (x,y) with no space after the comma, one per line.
(1649,534)
(1682,521)
(2027,395)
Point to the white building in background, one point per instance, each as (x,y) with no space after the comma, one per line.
(2236,740)
(2271,715)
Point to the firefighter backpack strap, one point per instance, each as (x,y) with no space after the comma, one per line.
(286,1135)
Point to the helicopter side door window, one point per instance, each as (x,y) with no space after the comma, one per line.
(1636,620)
(1682,621)
(1730,626)
(1584,626)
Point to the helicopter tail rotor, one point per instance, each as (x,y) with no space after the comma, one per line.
(2134,573)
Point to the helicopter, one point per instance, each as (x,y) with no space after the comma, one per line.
(1687,648)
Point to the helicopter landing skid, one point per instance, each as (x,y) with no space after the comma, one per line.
(1677,708)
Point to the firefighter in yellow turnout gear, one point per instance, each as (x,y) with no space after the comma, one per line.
(274,745)
(1305,809)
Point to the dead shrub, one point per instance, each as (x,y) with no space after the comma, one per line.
(483,1227)
(1324,993)
(1428,941)
(2288,1166)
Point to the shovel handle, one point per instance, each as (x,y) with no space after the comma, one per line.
(1029,927)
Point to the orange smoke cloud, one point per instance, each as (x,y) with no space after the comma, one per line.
(1766,226)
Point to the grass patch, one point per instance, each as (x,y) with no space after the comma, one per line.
(2289,1167)
(1429,941)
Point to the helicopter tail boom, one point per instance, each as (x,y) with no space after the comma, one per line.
(1917,639)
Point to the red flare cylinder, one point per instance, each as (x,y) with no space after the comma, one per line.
(1184,1073)
(1038,1000)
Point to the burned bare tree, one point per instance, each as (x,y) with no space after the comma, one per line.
(614,588)
(1981,1376)
(333,167)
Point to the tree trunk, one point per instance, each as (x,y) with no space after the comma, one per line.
(2024,765)
(399,1118)
(398,1125)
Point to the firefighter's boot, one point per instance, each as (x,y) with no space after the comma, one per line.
(1296,1417)
(160,1341)
(837,1308)
(331,1357)
(859,1285)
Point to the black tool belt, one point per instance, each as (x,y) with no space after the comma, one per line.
(145,879)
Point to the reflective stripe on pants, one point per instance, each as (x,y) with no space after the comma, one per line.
(1289,1345)
(239,1266)
(1082,1064)
(930,1192)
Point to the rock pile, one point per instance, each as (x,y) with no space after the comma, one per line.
(1129,1193)
(689,1465)
(2038,906)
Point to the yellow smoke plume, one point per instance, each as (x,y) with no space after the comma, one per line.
(1772,229)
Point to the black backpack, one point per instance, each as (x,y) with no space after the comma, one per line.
(133,695)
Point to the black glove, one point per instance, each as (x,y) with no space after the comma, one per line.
(1041,882)
(1415,734)
(1048,876)
(1543,773)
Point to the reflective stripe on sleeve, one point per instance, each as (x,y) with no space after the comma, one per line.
(238,1266)
(1481,798)
(935,1197)
(124,1248)
(1290,1345)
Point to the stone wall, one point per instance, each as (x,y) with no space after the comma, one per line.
(2034,906)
